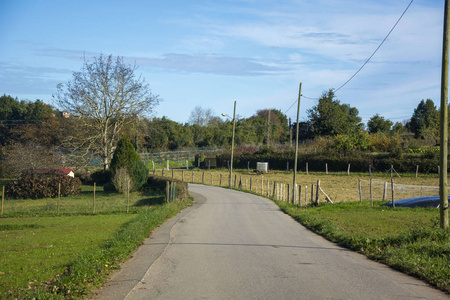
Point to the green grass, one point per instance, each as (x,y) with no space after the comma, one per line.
(37,249)
(49,256)
(406,239)
(105,202)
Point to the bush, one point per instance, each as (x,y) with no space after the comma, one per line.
(122,180)
(34,186)
(101,177)
(126,157)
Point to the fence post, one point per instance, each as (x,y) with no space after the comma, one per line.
(162,172)
(287,166)
(211,179)
(306,195)
(182,175)
(317,192)
(172,174)
(167,165)
(312,193)
(192,176)
(93,201)
(128,195)
(268,184)
(274,188)
(288,193)
(256,186)
(220,182)
(299,195)
(348,170)
(371,194)
(248,166)
(417,170)
(251,183)
(167,192)
(235,179)
(59,195)
(392,189)
(3,198)
(360,191)
(370,170)
(326,168)
(306,168)
(385,191)
(203,178)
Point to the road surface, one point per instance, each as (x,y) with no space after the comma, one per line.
(233,245)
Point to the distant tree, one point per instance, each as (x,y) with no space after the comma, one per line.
(201,116)
(398,127)
(106,95)
(330,117)
(378,124)
(425,120)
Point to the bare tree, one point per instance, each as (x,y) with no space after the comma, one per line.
(201,116)
(106,96)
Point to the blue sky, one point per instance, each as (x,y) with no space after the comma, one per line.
(210,53)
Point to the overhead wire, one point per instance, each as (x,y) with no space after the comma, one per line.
(365,63)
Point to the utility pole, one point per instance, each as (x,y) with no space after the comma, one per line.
(290,132)
(268,128)
(294,190)
(444,125)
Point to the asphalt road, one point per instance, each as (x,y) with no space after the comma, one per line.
(233,245)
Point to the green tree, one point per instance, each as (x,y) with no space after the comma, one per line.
(378,124)
(125,156)
(424,122)
(330,117)
(107,96)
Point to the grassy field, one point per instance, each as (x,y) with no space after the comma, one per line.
(50,256)
(340,187)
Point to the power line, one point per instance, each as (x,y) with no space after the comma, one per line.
(365,63)
(379,46)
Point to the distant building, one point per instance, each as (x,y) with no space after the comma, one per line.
(65,114)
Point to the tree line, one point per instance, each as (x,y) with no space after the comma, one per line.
(107,100)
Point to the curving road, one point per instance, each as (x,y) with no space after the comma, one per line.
(233,245)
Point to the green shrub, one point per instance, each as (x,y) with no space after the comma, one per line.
(101,177)
(126,157)
(34,186)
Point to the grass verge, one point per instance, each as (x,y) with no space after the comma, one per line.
(409,240)
(77,271)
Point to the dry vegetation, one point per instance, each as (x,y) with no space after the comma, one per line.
(340,187)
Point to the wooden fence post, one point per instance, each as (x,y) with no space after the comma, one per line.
(312,193)
(370,170)
(299,195)
(417,170)
(392,189)
(251,183)
(93,201)
(306,168)
(360,191)
(167,192)
(128,195)
(211,179)
(172,174)
(220,181)
(59,195)
(203,178)
(371,194)
(306,195)
(385,191)
(326,168)
(192,176)
(317,192)
(348,170)
(182,175)
(268,184)
(288,193)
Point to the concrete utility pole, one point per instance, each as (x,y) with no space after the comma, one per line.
(444,124)
(294,190)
